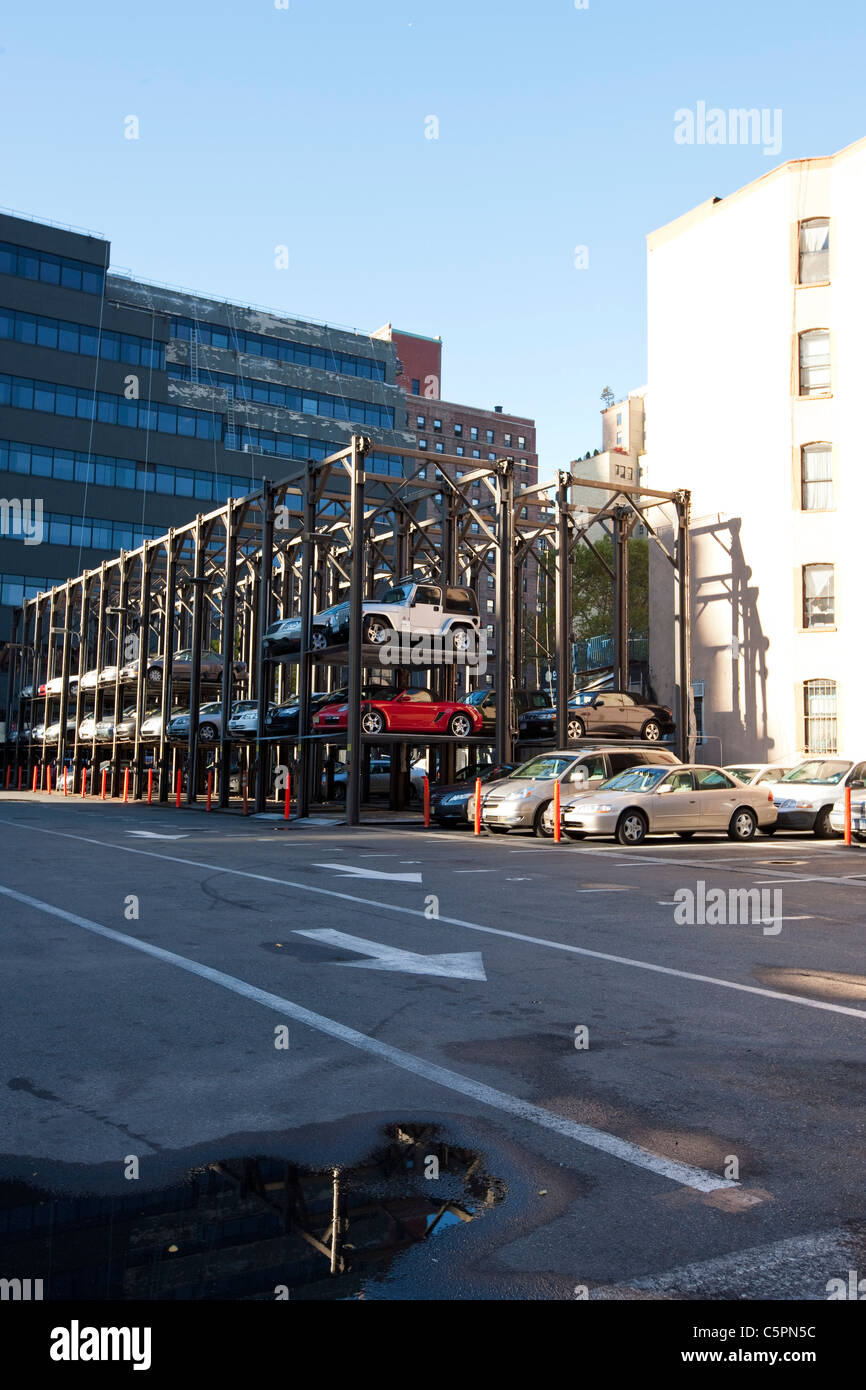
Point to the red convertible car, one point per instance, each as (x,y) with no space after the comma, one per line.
(404,711)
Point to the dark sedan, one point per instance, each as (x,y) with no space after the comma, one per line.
(615,714)
(452,804)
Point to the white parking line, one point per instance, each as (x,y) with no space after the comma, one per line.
(697,1178)
(403,911)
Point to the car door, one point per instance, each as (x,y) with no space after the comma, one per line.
(604,715)
(677,809)
(633,716)
(719,796)
(427,608)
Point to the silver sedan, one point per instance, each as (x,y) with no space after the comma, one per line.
(662,801)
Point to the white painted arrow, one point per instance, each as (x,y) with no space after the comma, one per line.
(152,835)
(370,873)
(457,965)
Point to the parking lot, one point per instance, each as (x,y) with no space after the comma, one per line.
(662,1071)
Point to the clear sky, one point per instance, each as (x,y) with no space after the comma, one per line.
(306,127)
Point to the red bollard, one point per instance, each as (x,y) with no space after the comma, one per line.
(8,775)
(286,808)
(35,777)
(48,770)
(477,826)
(20,775)
(426,803)
(84,781)
(104,776)
(209,788)
(847,815)
(126,784)
(557,827)
(177,799)
(66,772)
(149,785)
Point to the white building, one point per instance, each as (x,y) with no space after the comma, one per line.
(757,367)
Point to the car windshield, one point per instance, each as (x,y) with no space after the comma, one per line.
(818,770)
(745,774)
(583,697)
(399,593)
(240,705)
(637,779)
(476,697)
(542,769)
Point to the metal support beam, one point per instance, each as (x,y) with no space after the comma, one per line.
(685,731)
(621,529)
(504,612)
(305,665)
(169,599)
(264,669)
(564,605)
(228,646)
(198,599)
(360,445)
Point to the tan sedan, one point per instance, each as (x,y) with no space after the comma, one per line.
(663,801)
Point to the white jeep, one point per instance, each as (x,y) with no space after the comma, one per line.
(407,607)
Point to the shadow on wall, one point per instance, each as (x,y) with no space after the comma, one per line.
(720,576)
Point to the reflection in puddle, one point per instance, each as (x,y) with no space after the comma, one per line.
(252,1228)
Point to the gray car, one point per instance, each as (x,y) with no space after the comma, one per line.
(805,796)
(520,800)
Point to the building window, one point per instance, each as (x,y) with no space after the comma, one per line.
(815,251)
(521,441)
(416,386)
(80,338)
(819,716)
(458,430)
(437,425)
(473,432)
(439,446)
(491,580)
(420,421)
(422,443)
(698,700)
(51,270)
(816,474)
(619,439)
(619,419)
(508,439)
(819,602)
(490,605)
(459,451)
(490,436)
(280,349)
(476,453)
(815,362)
(491,457)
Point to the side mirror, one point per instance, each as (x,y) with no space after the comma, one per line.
(578,775)
(857,786)
(665,788)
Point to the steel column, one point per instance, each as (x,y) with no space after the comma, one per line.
(564,608)
(264,669)
(360,444)
(228,646)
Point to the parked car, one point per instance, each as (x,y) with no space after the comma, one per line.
(804,797)
(662,801)
(52,732)
(181,668)
(404,711)
(380,779)
(616,713)
(753,774)
(106,725)
(210,724)
(533,711)
(858,806)
(244,719)
(87,729)
(151,726)
(519,801)
(412,607)
(283,719)
(453,803)
(55,686)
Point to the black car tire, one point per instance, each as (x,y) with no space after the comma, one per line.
(822,828)
(538,824)
(651,731)
(632,827)
(576,728)
(372,722)
(460,725)
(742,825)
(318,640)
(154,675)
(207,733)
(376,630)
(768,829)
(460,637)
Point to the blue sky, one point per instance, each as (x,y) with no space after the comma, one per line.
(305,127)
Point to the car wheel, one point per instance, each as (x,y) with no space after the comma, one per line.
(576,728)
(632,828)
(822,827)
(576,834)
(376,631)
(207,733)
(651,731)
(538,825)
(460,726)
(685,834)
(743,824)
(372,722)
(154,675)
(318,641)
(460,638)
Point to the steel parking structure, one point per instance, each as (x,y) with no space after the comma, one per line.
(327,532)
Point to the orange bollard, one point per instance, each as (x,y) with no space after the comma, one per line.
(477,826)
(557,828)
(209,788)
(48,770)
(20,775)
(35,777)
(287,807)
(847,815)
(149,785)
(102,792)
(66,772)
(427,803)
(177,798)
(126,784)
(84,781)
(8,775)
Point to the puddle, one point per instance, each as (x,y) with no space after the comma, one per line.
(257,1228)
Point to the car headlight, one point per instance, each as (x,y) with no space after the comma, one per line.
(519,796)
(455,799)
(593,808)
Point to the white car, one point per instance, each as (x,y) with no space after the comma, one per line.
(244,719)
(755,774)
(858,807)
(806,795)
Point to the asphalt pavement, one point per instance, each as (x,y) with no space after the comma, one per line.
(670,1108)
